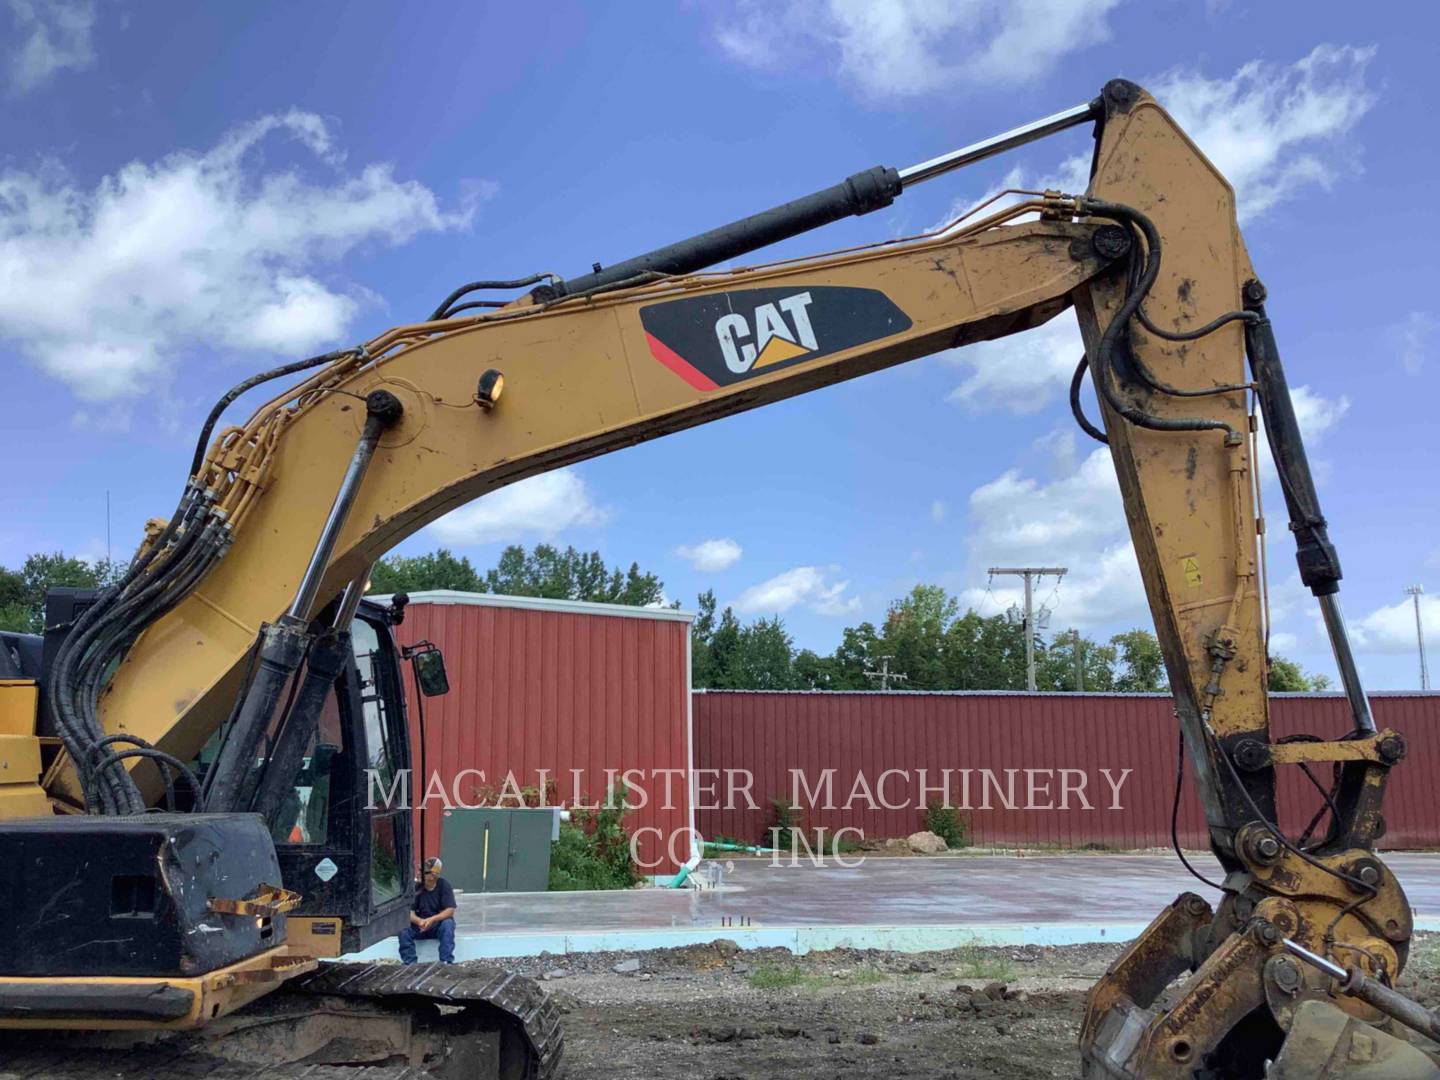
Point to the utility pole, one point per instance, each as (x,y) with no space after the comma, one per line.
(885,675)
(1417,591)
(1030,574)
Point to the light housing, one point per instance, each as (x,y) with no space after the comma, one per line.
(489,389)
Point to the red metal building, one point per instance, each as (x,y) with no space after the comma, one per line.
(1049,750)
(577,695)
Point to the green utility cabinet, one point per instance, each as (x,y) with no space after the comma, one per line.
(494,850)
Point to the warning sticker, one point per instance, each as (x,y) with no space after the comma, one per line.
(1190,567)
(325,869)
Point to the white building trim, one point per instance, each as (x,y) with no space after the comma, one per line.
(536,603)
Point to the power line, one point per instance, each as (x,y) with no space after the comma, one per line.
(1415,592)
(1030,574)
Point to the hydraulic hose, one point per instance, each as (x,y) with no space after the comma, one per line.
(1117,332)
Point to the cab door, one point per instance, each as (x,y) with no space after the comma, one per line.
(341,844)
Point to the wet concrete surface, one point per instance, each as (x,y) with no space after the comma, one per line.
(969,890)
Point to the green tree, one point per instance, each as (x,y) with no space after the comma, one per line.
(546,572)
(915,634)
(14,605)
(702,634)
(714,645)
(1288,676)
(764,657)
(813,671)
(858,650)
(984,653)
(438,569)
(22,592)
(571,575)
(726,654)
(1055,664)
(1141,666)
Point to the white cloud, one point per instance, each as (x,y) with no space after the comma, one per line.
(937,511)
(1074,517)
(541,506)
(1282,643)
(1019,374)
(1074,520)
(711,556)
(1273,129)
(810,586)
(49,37)
(1414,337)
(1315,413)
(102,287)
(1392,629)
(903,48)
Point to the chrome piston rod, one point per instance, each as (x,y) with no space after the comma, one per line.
(860,194)
(1371,991)
(997,144)
(1345,661)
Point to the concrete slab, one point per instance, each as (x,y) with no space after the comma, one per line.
(904,904)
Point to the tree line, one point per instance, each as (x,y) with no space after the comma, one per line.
(928,640)
(22,591)
(925,635)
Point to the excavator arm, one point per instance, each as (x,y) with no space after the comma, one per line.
(378,441)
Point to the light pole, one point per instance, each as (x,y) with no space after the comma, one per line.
(1415,592)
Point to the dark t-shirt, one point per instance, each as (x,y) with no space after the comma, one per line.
(435,900)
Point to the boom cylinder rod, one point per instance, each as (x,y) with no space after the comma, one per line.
(283,645)
(998,144)
(350,601)
(382,411)
(862,193)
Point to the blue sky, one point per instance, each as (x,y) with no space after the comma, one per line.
(189,191)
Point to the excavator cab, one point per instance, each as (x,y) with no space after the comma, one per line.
(339,817)
(342,828)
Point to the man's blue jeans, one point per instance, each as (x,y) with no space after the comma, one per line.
(444,931)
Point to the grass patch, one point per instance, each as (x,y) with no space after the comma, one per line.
(975,963)
(775,977)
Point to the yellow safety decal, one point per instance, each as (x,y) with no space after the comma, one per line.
(1190,567)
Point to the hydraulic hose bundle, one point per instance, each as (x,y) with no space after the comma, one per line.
(165,573)
(1143,268)
(223,482)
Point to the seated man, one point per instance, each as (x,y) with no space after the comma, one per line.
(433,916)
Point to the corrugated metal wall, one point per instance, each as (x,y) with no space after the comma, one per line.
(559,690)
(771,734)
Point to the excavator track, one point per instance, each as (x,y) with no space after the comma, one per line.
(532,1044)
(345,1020)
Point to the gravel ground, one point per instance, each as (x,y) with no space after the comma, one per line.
(712,1012)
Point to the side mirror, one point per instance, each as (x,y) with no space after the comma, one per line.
(428,664)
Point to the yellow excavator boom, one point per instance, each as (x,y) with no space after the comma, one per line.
(429,416)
